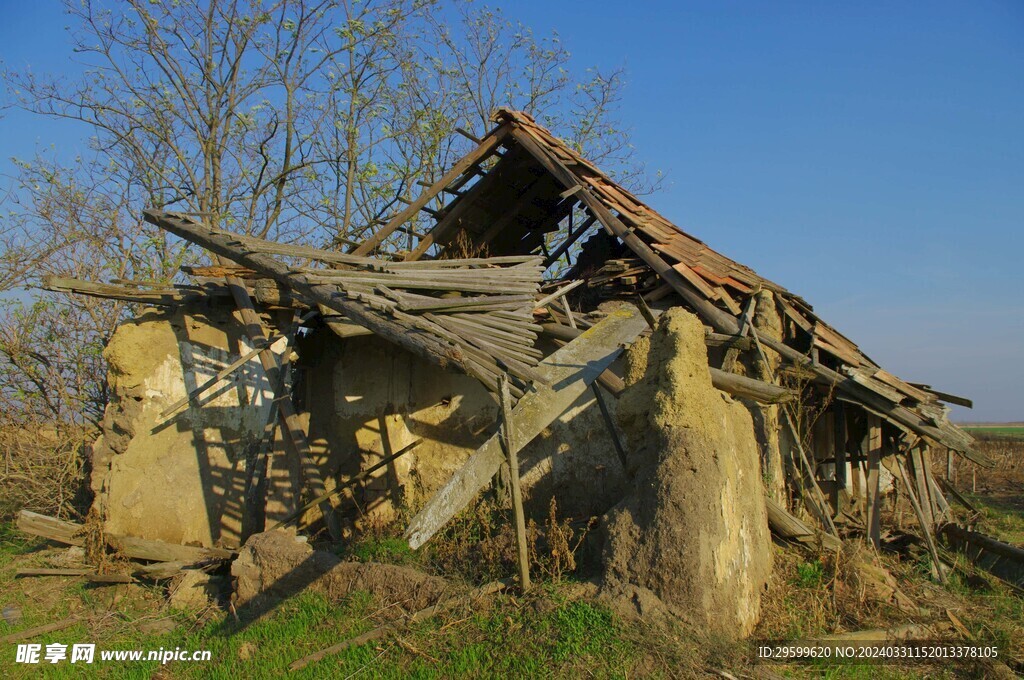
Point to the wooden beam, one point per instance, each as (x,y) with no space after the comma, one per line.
(573,236)
(721,320)
(947,435)
(1004,560)
(874,456)
(485,149)
(568,373)
(295,434)
(72,533)
(937,569)
(421,344)
(166,296)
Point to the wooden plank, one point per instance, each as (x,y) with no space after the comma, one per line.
(72,533)
(424,345)
(696,280)
(295,434)
(152,296)
(786,525)
(924,494)
(507,443)
(796,316)
(717,317)
(997,557)
(569,372)
(904,387)
(29,633)
(874,456)
(839,427)
(570,239)
(945,396)
(937,568)
(485,149)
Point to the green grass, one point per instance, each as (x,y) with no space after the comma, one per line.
(511,640)
(549,633)
(1000,518)
(390,550)
(810,574)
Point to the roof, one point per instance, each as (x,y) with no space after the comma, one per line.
(521,181)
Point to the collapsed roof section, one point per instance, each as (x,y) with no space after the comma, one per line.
(522,183)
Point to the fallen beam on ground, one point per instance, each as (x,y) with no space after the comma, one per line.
(569,372)
(29,633)
(72,533)
(994,556)
(785,525)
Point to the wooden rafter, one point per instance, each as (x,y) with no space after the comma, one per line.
(485,149)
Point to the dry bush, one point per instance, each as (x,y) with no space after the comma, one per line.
(813,594)
(43,470)
(480,545)
(1006,452)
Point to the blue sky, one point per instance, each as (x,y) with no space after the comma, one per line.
(868,156)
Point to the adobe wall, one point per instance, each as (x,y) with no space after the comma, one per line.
(693,530)
(182,478)
(367,395)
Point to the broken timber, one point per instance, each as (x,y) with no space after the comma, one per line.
(733,383)
(469,345)
(570,372)
(72,533)
(998,558)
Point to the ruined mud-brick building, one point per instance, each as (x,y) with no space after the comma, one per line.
(653,382)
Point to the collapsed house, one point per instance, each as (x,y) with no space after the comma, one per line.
(548,321)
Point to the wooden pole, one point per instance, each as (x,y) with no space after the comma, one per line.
(840,451)
(610,425)
(873,497)
(295,434)
(381,631)
(925,529)
(513,475)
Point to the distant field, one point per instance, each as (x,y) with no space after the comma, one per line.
(1009,431)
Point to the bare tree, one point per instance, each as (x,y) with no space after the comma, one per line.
(302,120)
